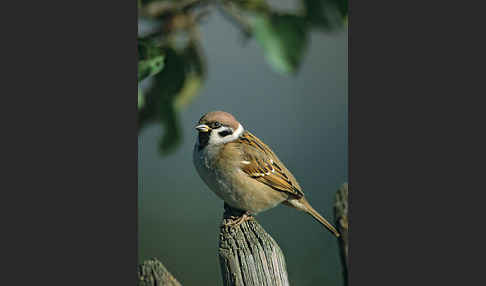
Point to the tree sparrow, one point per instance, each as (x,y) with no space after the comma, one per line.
(243,171)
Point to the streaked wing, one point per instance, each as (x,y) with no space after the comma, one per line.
(261,164)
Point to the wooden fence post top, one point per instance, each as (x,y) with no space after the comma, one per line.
(153,273)
(249,255)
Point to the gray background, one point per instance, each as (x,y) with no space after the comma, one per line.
(303,118)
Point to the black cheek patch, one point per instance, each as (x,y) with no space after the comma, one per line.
(225,133)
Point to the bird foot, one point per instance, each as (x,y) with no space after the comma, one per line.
(237,220)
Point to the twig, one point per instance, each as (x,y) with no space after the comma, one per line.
(229,11)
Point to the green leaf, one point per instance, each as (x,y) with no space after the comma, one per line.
(147,47)
(159,100)
(195,75)
(150,67)
(150,58)
(283,38)
(191,87)
(173,87)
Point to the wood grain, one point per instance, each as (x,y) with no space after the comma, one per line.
(249,255)
(153,273)
(341,216)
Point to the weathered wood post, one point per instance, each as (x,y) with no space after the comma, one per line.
(341,216)
(248,255)
(153,273)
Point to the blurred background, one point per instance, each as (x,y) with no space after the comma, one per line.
(291,91)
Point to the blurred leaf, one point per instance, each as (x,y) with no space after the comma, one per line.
(141,99)
(283,38)
(173,87)
(147,47)
(195,75)
(326,14)
(159,105)
(191,88)
(194,59)
(150,58)
(172,136)
(343,6)
(150,67)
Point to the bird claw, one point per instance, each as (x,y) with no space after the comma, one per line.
(237,220)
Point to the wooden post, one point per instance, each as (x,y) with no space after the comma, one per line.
(248,255)
(341,216)
(153,273)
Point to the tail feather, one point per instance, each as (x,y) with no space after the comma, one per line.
(310,210)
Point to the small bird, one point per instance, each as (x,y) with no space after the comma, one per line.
(243,171)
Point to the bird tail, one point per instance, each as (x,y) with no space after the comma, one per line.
(310,210)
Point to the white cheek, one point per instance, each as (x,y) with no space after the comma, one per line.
(215,138)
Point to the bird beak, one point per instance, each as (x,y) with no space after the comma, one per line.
(203,128)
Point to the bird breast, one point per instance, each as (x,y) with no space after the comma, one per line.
(222,174)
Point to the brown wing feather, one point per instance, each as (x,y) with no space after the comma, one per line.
(264,166)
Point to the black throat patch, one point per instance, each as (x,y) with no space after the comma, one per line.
(203,139)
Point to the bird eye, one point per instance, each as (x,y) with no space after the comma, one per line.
(216,125)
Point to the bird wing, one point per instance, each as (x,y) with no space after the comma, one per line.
(260,163)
